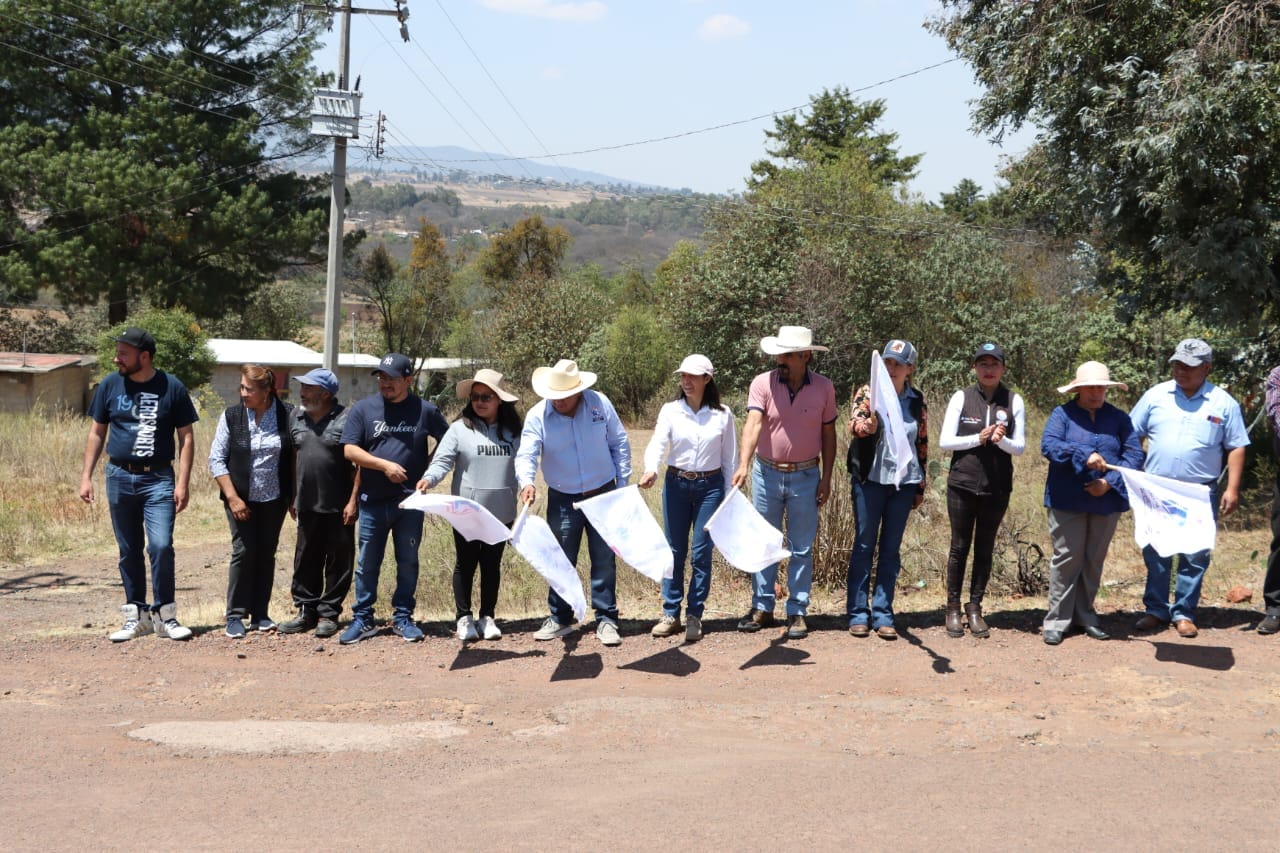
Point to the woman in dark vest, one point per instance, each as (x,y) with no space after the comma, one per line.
(252,459)
(883,500)
(984,427)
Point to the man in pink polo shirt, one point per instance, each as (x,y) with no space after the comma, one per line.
(790,431)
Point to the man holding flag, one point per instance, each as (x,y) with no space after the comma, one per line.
(790,431)
(1190,426)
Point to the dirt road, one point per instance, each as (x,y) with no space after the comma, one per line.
(736,742)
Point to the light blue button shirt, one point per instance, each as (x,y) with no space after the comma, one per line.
(578,454)
(1188,437)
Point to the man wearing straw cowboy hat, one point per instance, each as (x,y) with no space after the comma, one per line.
(584,452)
(790,431)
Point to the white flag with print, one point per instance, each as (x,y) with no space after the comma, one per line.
(885,403)
(1171,516)
(467,517)
(623,520)
(743,536)
(534,541)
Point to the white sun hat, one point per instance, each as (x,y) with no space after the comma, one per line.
(561,381)
(1092,374)
(790,339)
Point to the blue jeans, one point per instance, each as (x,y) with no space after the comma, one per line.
(685,504)
(1186,590)
(143,503)
(568,525)
(377,519)
(880,512)
(795,495)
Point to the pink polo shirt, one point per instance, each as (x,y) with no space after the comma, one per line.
(792,429)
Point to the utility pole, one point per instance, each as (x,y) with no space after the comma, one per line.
(336,113)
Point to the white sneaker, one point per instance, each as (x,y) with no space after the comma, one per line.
(167,625)
(607,632)
(136,624)
(489,628)
(692,629)
(551,629)
(467,629)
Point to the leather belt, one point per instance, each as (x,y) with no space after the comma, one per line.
(138,467)
(600,491)
(692,475)
(789,467)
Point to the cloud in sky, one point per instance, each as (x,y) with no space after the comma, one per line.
(591,10)
(721,27)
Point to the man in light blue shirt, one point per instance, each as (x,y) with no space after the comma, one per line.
(584,452)
(1191,426)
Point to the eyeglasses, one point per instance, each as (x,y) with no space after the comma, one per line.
(482,398)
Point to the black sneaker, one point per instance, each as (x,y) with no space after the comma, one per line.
(300,624)
(235,628)
(1270,624)
(326,627)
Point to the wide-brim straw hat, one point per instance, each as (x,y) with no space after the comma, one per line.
(485,376)
(1092,374)
(790,339)
(561,381)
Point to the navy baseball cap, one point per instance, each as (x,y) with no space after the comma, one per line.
(900,351)
(321,378)
(135,337)
(993,350)
(395,365)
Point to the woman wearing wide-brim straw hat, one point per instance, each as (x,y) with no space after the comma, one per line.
(480,448)
(695,437)
(1084,500)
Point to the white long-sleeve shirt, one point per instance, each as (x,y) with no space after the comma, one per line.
(693,441)
(1013,443)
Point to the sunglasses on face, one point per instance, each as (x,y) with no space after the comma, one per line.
(482,398)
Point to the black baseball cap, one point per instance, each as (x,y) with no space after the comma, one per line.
(394,364)
(993,350)
(135,337)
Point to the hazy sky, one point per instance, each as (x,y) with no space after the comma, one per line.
(573,76)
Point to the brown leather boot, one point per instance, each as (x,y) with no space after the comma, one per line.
(955,622)
(977,627)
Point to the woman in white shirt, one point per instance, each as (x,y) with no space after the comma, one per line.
(696,438)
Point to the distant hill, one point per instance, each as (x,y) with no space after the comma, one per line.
(449,163)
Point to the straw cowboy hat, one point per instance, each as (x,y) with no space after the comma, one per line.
(790,339)
(1092,374)
(485,376)
(562,381)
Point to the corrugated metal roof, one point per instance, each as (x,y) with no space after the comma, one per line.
(40,362)
(287,353)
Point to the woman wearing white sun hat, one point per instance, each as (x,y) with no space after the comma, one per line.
(1081,438)
(695,436)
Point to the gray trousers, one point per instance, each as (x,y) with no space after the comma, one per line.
(1080,543)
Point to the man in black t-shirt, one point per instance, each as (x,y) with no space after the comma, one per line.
(136,412)
(386,435)
(325,507)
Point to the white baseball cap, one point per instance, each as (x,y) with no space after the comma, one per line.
(696,365)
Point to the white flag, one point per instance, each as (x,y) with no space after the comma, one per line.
(1171,516)
(884,400)
(467,517)
(623,520)
(533,539)
(744,537)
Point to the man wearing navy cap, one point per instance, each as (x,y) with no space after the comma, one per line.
(386,435)
(325,507)
(136,412)
(1190,425)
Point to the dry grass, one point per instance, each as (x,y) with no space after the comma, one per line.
(42,519)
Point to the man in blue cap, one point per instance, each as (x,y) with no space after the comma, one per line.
(325,507)
(137,411)
(386,435)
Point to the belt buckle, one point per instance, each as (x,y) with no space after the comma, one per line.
(688,475)
(787,467)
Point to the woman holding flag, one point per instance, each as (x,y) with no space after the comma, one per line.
(480,448)
(887,463)
(696,438)
(1081,438)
